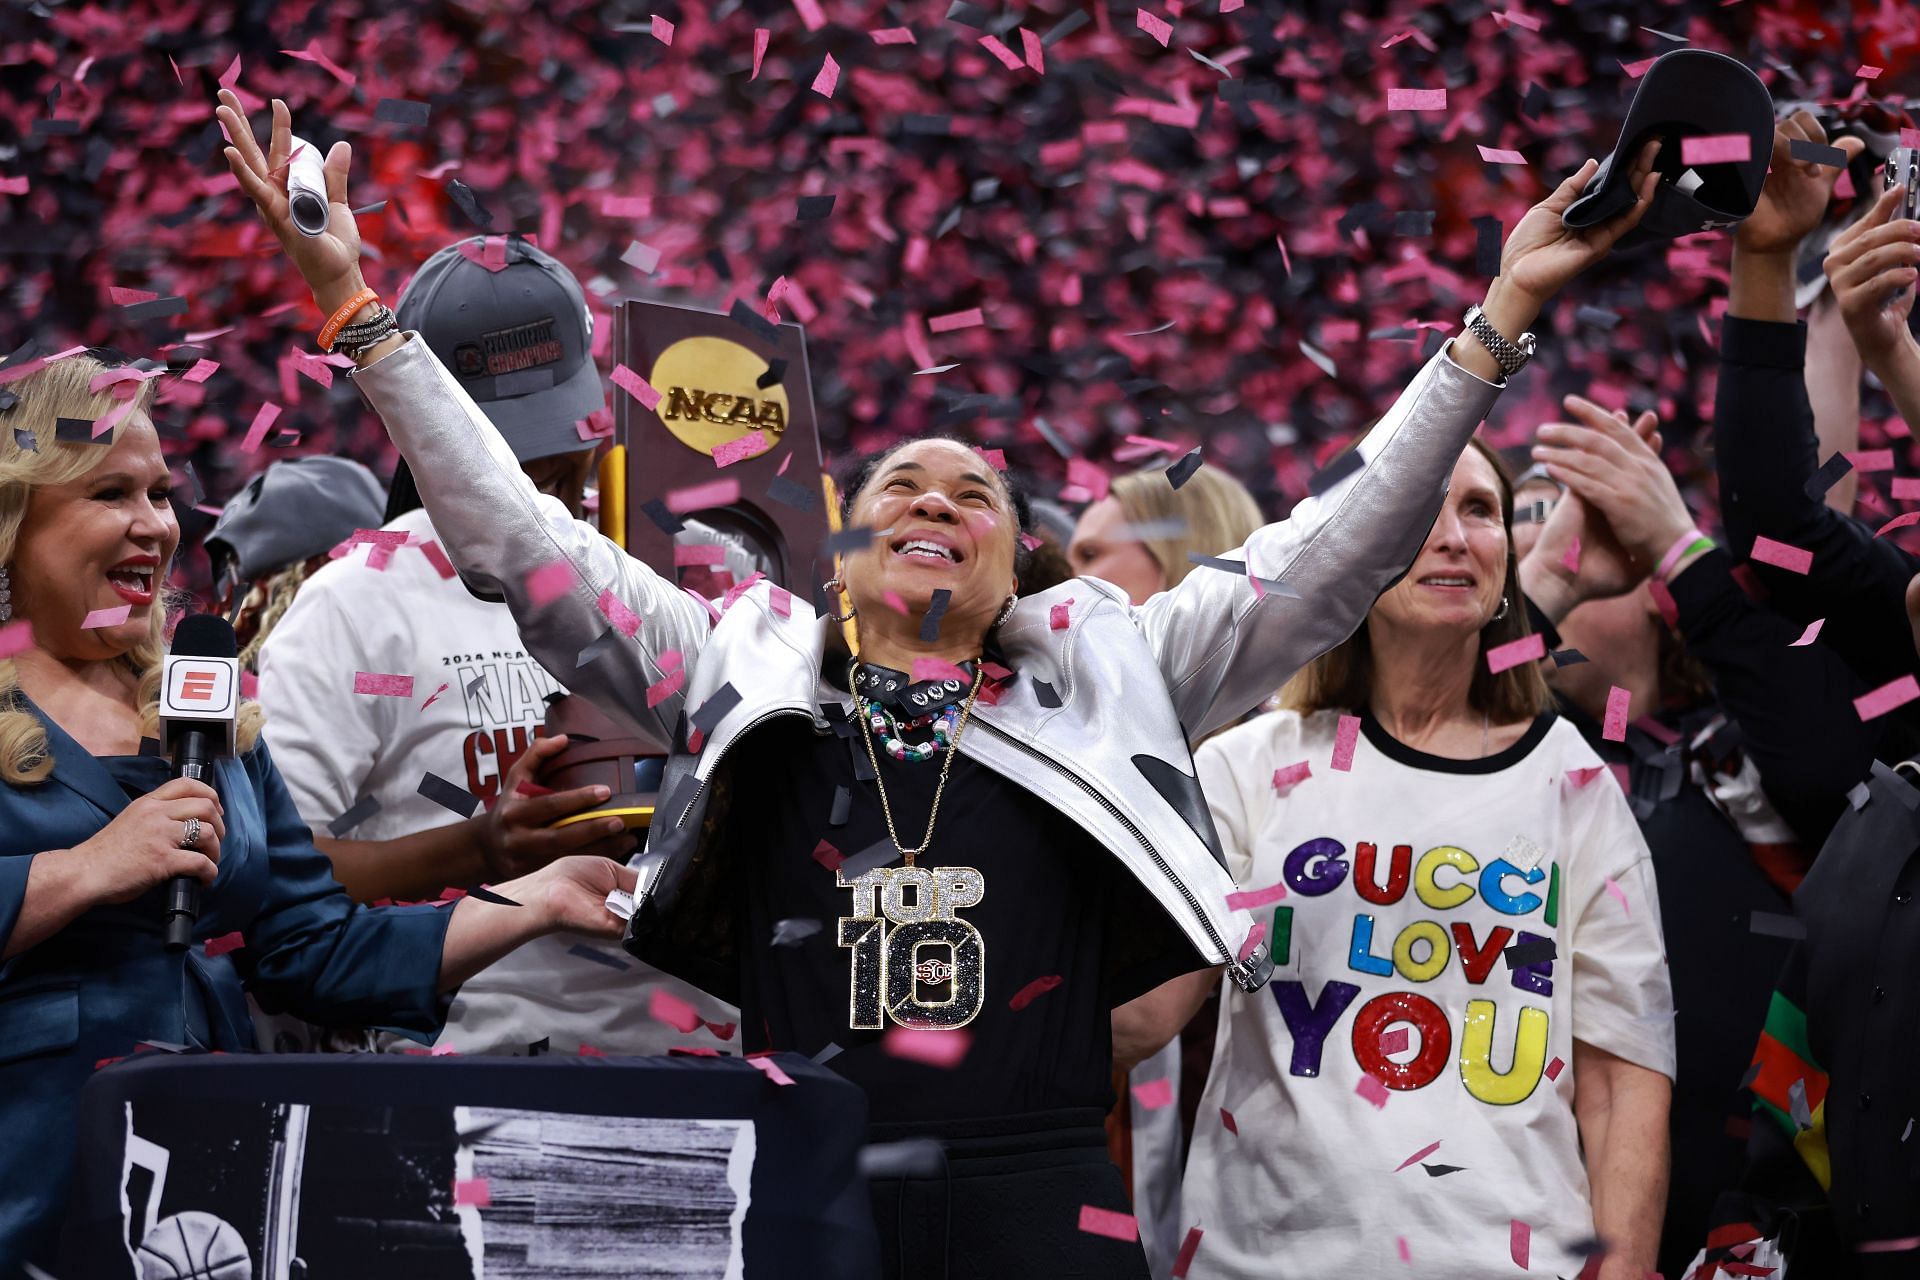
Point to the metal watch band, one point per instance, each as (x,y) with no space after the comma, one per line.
(1511,357)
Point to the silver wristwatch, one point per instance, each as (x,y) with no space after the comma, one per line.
(1512,357)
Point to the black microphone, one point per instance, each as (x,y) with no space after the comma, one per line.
(199,700)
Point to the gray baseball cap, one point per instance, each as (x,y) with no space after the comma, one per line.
(519,338)
(294,510)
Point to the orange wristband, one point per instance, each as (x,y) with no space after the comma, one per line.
(335,322)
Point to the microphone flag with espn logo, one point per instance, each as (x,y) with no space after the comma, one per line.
(200,690)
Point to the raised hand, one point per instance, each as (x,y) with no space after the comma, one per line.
(517,835)
(1795,195)
(1872,267)
(329,262)
(1617,471)
(1542,253)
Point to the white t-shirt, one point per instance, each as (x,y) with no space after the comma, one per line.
(1405,880)
(478,699)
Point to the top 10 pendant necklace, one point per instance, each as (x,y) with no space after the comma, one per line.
(914,961)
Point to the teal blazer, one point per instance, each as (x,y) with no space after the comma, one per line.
(107,982)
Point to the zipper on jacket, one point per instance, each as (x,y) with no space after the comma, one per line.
(1232,962)
(745,729)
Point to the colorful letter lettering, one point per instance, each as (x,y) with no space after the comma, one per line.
(1365,880)
(1517,1083)
(1436,1039)
(1308,1021)
(1360,957)
(1477,962)
(1439,951)
(1496,895)
(1316,867)
(1431,861)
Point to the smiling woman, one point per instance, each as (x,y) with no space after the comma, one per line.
(93,824)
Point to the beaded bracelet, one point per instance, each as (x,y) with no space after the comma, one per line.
(335,322)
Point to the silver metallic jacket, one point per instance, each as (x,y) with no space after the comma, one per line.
(1127,687)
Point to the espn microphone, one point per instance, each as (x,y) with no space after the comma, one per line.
(199,700)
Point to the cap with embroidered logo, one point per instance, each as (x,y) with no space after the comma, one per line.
(519,339)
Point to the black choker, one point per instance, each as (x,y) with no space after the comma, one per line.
(896,689)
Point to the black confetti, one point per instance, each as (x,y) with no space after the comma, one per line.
(76,431)
(715,708)
(744,315)
(842,806)
(877,854)
(156,309)
(449,796)
(609,641)
(1818,153)
(1045,693)
(1238,568)
(813,208)
(1488,238)
(401,111)
(1772,924)
(848,540)
(543,1045)
(792,932)
(971,15)
(24,441)
(1441,1170)
(485,894)
(469,204)
(791,493)
(658,513)
(1827,476)
(363,808)
(1182,471)
(1531,952)
(1567,657)
(776,370)
(827,1053)
(1065,27)
(368,210)
(1342,466)
(586,952)
(936,610)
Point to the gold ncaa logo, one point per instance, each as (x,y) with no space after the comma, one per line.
(710,393)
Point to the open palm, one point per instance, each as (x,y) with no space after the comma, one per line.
(330,261)
(1795,195)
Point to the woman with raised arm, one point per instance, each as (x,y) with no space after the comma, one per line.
(969,839)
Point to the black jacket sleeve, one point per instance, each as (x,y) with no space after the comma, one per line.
(1794,706)
(1766,452)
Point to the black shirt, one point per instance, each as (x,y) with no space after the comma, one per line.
(1054,904)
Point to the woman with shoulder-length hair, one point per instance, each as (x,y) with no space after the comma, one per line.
(1142,536)
(1467,952)
(875,851)
(93,825)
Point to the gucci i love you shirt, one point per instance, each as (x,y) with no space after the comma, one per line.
(1398,1101)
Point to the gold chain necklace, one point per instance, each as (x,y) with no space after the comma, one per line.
(946,765)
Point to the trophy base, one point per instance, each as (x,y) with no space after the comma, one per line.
(636,816)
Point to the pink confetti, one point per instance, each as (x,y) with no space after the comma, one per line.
(1808,636)
(16,637)
(549,582)
(1255,936)
(472,1191)
(1007,57)
(1191,1245)
(1555,1067)
(224,943)
(769,1068)
(1619,896)
(106,617)
(1615,727)
(1901,1244)
(782,601)
(1159,28)
(636,386)
(14,186)
(434,696)
(1419,1155)
(810,15)
(956,320)
(1780,555)
(1498,155)
(944,1049)
(662,30)
(1057,616)
(1400,1247)
(1291,776)
(828,856)
(664,1006)
(894,35)
(437,558)
(1581,777)
(1153,1094)
(1395,1041)
(700,497)
(1227,1122)
(1416,99)
(615,610)
(699,553)
(750,445)
(1635,70)
(1906,488)
(385,686)
(1871,460)
(1527,648)
(262,423)
(201,371)
(937,669)
(127,297)
(1107,1222)
(1252,898)
(1894,693)
(828,79)
(760,37)
(1520,1238)
(1716,148)
(1372,1091)
(1345,737)
(1865,72)
(1033,991)
(1898,522)
(1034,51)
(1571,560)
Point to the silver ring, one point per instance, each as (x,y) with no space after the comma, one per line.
(190,835)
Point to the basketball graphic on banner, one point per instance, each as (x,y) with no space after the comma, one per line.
(194,1246)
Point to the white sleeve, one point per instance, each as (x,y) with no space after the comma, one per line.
(323,738)
(1622,997)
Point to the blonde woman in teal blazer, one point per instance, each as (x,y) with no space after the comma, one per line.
(91,829)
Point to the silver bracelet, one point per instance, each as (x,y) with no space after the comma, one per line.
(1512,357)
(355,339)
